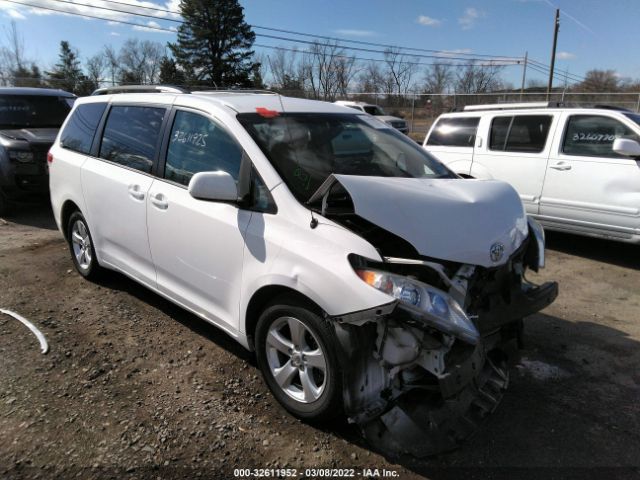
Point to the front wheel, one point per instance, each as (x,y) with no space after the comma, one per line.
(83,253)
(296,353)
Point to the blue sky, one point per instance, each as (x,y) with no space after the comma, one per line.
(593,33)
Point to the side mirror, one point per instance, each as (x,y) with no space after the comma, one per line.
(217,186)
(626,147)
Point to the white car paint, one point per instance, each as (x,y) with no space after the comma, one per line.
(412,209)
(593,196)
(211,258)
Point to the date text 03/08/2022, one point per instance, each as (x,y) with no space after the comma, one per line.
(315,473)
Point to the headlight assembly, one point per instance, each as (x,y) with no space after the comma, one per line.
(435,306)
(21,156)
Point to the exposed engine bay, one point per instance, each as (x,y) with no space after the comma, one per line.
(421,372)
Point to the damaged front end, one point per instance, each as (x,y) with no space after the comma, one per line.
(421,372)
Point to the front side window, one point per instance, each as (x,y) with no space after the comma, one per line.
(498,134)
(373,110)
(521,133)
(79,131)
(131,135)
(33,111)
(198,144)
(454,132)
(305,148)
(593,136)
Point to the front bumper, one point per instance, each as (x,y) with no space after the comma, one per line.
(518,304)
(24,181)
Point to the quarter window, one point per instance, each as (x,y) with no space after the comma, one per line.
(593,136)
(197,144)
(454,132)
(81,127)
(131,135)
(521,133)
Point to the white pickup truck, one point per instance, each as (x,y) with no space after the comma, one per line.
(576,169)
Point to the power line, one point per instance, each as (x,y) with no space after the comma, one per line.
(490,62)
(443,53)
(86,15)
(276,37)
(545,66)
(556,75)
(295,50)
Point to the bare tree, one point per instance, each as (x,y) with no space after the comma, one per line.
(370,79)
(400,71)
(327,70)
(438,78)
(600,81)
(95,67)
(479,78)
(346,69)
(15,69)
(139,61)
(112,63)
(283,67)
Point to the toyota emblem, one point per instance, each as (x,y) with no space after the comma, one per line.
(496,252)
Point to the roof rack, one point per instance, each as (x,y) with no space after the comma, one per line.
(140,89)
(512,106)
(207,90)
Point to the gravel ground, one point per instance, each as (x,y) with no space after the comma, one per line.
(134,387)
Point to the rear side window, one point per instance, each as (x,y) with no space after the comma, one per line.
(454,132)
(593,136)
(521,133)
(198,144)
(79,131)
(131,135)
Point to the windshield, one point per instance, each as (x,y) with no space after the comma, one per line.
(305,148)
(634,116)
(373,110)
(35,111)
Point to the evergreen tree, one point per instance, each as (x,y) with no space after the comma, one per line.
(214,43)
(67,74)
(170,74)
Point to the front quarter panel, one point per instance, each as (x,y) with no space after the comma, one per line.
(287,252)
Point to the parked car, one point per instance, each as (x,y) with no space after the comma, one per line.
(367,277)
(396,122)
(29,122)
(576,169)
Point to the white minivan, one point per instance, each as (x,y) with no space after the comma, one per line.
(367,277)
(576,169)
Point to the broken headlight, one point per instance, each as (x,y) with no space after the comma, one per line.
(436,307)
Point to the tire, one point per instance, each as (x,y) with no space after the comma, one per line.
(83,253)
(295,342)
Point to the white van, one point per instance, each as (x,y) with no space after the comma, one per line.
(576,169)
(367,277)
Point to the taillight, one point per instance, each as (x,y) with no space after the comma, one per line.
(49,157)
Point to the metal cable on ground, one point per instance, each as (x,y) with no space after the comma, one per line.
(44,346)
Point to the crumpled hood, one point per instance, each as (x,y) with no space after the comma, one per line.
(31,135)
(450,219)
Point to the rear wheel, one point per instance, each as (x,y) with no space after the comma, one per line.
(297,357)
(81,246)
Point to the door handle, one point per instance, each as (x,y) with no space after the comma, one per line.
(135,192)
(560,166)
(160,201)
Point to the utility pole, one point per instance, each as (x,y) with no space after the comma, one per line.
(524,74)
(553,52)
